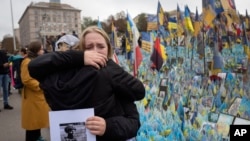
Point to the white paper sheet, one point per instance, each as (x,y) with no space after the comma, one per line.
(69,125)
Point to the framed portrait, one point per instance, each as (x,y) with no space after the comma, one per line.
(207,102)
(207,126)
(69,125)
(162,94)
(166,102)
(241,121)
(213,117)
(163,88)
(164,82)
(223,124)
(188,113)
(176,97)
(158,103)
(234,107)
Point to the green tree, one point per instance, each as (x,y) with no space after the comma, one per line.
(142,22)
(88,21)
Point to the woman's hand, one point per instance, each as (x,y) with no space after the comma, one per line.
(96,125)
(95,59)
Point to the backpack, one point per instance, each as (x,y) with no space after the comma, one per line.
(17,73)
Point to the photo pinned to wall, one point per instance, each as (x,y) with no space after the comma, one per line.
(207,126)
(163,88)
(73,131)
(213,117)
(187,113)
(69,125)
(166,102)
(223,124)
(234,107)
(207,102)
(241,121)
(176,97)
(164,82)
(158,103)
(192,104)
(163,97)
(162,94)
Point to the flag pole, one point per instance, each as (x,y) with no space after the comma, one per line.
(204,50)
(12,20)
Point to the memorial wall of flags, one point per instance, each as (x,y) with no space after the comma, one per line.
(195,71)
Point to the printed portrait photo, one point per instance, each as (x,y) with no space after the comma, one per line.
(73,131)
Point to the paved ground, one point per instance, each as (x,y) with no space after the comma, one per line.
(10,121)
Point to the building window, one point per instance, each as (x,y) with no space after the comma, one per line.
(54,18)
(48,19)
(36,24)
(36,18)
(36,12)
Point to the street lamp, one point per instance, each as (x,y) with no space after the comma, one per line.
(14,38)
(44,17)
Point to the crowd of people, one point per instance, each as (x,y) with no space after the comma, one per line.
(79,74)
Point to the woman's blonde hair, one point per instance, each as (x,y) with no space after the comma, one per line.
(100,31)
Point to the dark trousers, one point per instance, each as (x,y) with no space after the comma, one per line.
(33,135)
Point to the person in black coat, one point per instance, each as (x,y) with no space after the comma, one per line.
(4,78)
(88,80)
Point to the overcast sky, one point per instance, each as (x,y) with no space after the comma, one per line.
(102,8)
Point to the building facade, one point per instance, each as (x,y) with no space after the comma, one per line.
(46,20)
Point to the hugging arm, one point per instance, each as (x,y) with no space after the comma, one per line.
(49,63)
(124,84)
(123,127)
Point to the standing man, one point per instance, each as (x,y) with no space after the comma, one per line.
(74,34)
(4,78)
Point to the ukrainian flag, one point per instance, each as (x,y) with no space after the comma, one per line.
(188,22)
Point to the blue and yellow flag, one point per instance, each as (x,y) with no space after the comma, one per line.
(172,23)
(114,35)
(230,7)
(146,41)
(99,24)
(247,21)
(132,31)
(210,9)
(197,24)
(188,22)
(151,22)
(160,14)
(180,24)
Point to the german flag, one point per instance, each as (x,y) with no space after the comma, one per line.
(156,56)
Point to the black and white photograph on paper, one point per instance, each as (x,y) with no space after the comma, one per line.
(73,131)
(69,125)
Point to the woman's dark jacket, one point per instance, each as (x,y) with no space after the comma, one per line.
(3,60)
(68,84)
